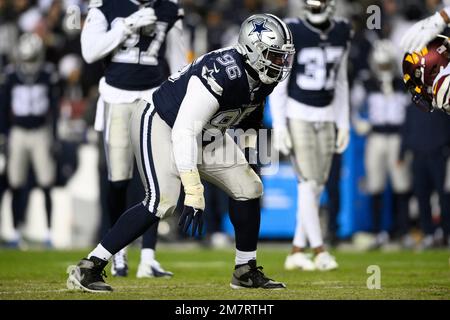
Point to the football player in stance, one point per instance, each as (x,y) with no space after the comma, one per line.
(134,39)
(29,99)
(307,109)
(215,92)
(383,92)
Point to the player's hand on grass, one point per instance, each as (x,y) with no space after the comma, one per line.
(194,202)
(194,216)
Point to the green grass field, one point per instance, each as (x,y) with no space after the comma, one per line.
(205,274)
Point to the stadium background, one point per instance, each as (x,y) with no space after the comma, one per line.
(78,217)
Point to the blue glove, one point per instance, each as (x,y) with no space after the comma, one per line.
(194,216)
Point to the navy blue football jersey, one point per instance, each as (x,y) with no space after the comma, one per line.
(139,63)
(29,102)
(373,85)
(317,60)
(223,73)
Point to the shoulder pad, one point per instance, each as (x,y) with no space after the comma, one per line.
(341,20)
(291,20)
(180,13)
(95,3)
(207,74)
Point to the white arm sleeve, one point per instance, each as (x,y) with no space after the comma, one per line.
(96,41)
(341,103)
(197,108)
(278,102)
(176,54)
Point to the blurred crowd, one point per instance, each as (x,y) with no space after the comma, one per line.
(420,147)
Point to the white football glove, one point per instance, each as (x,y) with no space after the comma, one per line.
(141,18)
(362,127)
(282,140)
(342,140)
(423,32)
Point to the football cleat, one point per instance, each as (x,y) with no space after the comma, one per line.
(299,261)
(250,276)
(119,265)
(427,243)
(88,275)
(325,261)
(380,240)
(152,270)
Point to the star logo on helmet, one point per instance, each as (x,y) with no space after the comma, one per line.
(259,27)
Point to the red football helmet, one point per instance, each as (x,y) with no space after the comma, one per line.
(421,68)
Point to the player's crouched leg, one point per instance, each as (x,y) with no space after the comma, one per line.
(245,189)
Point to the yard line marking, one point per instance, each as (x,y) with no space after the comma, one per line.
(34,291)
(195,264)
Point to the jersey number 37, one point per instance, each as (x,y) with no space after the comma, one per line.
(320,67)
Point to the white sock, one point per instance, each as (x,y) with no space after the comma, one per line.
(147,255)
(16,235)
(300,235)
(309,213)
(100,253)
(48,235)
(242,257)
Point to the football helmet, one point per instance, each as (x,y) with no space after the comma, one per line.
(266,43)
(30,53)
(421,68)
(319,11)
(383,63)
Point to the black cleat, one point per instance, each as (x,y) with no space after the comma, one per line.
(88,275)
(250,276)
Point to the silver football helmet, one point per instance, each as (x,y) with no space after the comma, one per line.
(266,43)
(30,53)
(383,63)
(319,11)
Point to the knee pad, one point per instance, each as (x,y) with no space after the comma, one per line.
(252,190)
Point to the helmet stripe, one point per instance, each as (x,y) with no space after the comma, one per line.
(286,31)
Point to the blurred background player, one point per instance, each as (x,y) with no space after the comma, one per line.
(427,135)
(307,109)
(29,99)
(137,41)
(383,93)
